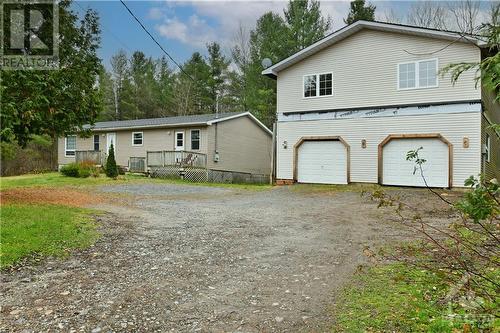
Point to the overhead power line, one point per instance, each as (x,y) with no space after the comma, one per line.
(154,39)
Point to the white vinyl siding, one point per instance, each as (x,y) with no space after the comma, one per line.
(364,162)
(365,67)
(70,145)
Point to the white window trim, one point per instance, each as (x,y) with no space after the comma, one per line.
(417,71)
(66,146)
(487,145)
(183,141)
(191,139)
(317,86)
(142,139)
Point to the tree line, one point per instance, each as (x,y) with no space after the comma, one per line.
(137,86)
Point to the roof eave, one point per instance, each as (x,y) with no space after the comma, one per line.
(107,129)
(355,27)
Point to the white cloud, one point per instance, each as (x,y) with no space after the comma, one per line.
(195,31)
(220,20)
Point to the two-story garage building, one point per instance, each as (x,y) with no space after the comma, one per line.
(350,107)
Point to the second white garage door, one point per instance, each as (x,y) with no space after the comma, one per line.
(323,162)
(398,171)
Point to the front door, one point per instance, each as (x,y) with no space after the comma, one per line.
(179,140)
(110,140)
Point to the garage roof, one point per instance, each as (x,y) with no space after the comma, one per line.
(373,25)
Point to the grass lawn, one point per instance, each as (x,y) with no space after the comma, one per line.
(56,179)
(43,229)
(397,298)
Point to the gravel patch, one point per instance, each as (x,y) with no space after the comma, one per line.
(239,261)
(164,189)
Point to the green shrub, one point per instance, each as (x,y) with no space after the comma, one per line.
(95,171)
(77,170)
(111,169)
(70,170)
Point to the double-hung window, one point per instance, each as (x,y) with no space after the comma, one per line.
(96,142)
(137,138)
(318,85)
(417,74)
(195,139)
(487,148)
(70,145)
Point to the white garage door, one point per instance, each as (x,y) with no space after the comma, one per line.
(398,171)
(322,162)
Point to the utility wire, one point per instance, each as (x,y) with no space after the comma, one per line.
(161,47)
(109,30)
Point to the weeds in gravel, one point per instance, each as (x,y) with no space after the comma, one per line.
(31,230)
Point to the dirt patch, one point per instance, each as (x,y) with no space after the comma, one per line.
(45,195)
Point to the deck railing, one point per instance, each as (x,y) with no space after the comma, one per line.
(95,156)
(181,159)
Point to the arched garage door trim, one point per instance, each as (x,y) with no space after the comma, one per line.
(415,136)
(320,138)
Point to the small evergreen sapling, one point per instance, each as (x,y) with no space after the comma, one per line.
(111,169)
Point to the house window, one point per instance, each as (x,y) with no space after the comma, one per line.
(427,76)
(318,85)
(137,138)
(418,74)
(325,84)
(195,139)
(310,86)
(96,142)
(487,148)
(70,145)
(407,76)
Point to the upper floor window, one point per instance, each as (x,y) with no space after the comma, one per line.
(70,145)
(487,148)
(137,138)
(417,74)
(318,85)
(195,139)
(96,142)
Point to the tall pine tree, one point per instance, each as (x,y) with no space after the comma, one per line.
(305,23)
(360,11)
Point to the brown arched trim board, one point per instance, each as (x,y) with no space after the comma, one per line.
(415,136)
(321,138)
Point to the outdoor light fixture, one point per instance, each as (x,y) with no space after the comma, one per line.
(466,142)
(363,143)
(285,144)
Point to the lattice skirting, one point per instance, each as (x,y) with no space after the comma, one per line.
(203,175)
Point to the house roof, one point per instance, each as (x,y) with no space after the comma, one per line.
(336,36)
(189,120)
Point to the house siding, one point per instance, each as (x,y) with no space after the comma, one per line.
(243,146)
(153,139)
(364,162)
(364,68)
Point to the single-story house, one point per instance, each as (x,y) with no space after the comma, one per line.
(351,105)
(231,142)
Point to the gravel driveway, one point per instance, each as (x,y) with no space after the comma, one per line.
(190,258)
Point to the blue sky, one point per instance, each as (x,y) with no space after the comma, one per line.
(183,27)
